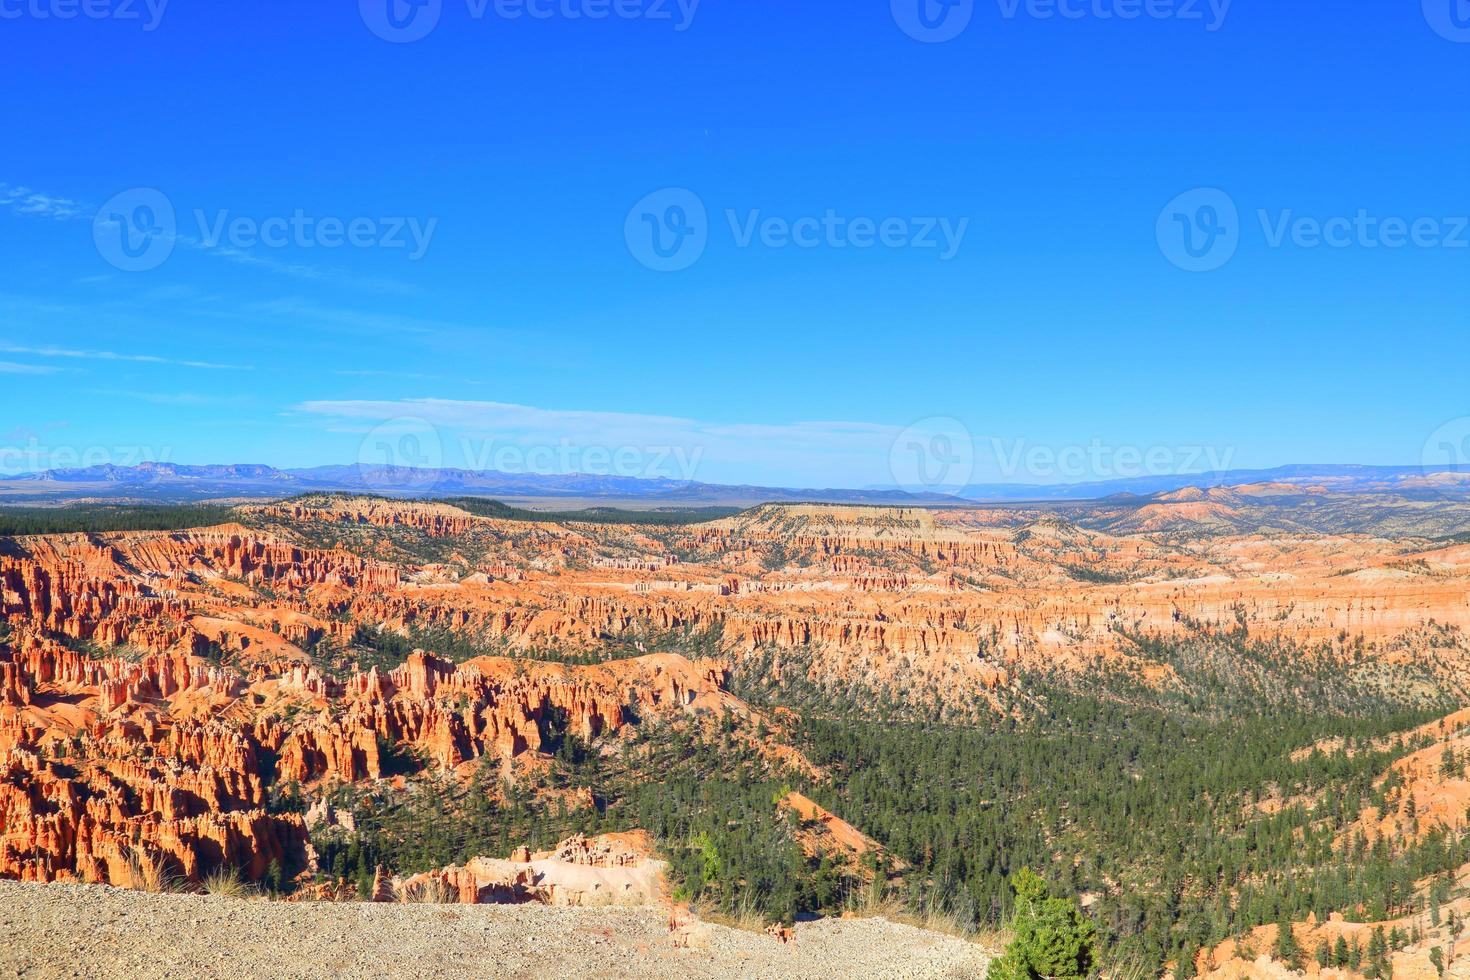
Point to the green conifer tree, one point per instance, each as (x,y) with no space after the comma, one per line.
(1053,939)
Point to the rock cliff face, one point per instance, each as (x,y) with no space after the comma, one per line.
(163,757)
(95,779)
(154,687)
(105,762)
(611,869)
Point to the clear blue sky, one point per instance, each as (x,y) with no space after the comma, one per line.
(522,143)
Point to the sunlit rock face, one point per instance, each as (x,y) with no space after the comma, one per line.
(155,686)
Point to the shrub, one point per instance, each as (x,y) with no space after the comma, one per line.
(226,882)
(1053,939)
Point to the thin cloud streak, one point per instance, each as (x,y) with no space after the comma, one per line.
(815,453)
(31,203)
(34,204)
(12,367)
(106,355)
(180,398)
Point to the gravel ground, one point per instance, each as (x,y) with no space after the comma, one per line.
(93,931)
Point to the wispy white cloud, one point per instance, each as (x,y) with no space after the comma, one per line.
(180,398)
(38,204)
(12,367)
(294,270)
(107,355)
(475,433)
(24,201)
(301,311)
(405,375)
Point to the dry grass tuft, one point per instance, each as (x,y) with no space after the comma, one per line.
(993,937)
(430,891)
(874,902)
(150,874)
(227,883)
(935,916)
(746,918)
(932,915)
(1130,969)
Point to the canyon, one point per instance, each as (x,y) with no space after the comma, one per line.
(178,704)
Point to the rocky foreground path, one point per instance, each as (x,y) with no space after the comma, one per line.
(93,931)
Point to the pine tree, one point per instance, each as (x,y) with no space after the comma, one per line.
(1186,969)
(1053,939)
(275,876)
(1287,950)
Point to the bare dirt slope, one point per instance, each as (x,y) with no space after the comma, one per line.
(96,931)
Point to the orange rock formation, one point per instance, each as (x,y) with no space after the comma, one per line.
(154,685)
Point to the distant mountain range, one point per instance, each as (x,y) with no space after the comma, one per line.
(177,482)
(1334,476)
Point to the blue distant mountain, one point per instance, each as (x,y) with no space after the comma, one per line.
(173,481)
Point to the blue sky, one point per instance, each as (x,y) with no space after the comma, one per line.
(982,226)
